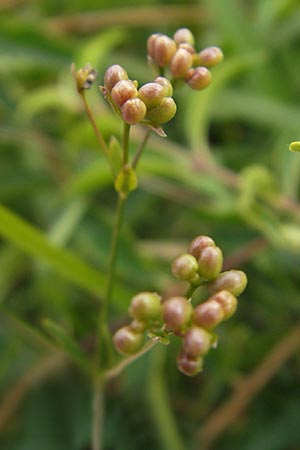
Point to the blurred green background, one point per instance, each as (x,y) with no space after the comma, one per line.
(224,170)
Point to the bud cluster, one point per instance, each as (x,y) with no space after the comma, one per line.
(152,102)
(182,58)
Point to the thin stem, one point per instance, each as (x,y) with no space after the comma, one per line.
(126,132)
(140,149)
(97,424)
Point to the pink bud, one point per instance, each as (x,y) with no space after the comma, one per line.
(208,314)
(198,78)
(227,301)
(197,342)
(234,281)
(210,262)
(198,244)
(127,341)
(151,94)
(180,63)
(167,86)
(177,313)
(185,267)
(123,91)
(164,49)
(113,75)
(189,366)
(133,111)
(184,36)
(210,56)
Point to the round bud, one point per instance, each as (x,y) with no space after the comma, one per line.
(138,325)
(127,341)
(123,91)
(163,112)
(180,63)
(209,57)
(189,48)
(151,94)
(184,35)
(133,111)
(200,243)
(198,78)
(185,267)
(113,75)
(177,313)
(227,301)
(165,83)
(189,366)
(208,314)
(145,306)
(197,342)
(234,281)
(151,44)
(210,262)
(164,49)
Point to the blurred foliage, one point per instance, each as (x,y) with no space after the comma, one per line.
(225,170)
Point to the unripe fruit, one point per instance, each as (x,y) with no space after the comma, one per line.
(189,366)
(164,49)
(184,35)
(181,63)
(145,306)
(127,341)
(198,78)
(208,314)
(163,112)
(113,75)
(228,302)
(151,94)
(133,111)
(185,267)
(234,281)
(210,262)
(200,243)
(209,56)
(197,342)
(124,90)
(165,83)
(177,313)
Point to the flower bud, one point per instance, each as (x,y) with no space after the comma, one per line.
(145,306)
(198,78)
(127,341)
(200,243)
(181,63)
(84,77)
(133,111)
(210,262)
(184,36)
(123,91)
(164,49)
(177,313)
(209,57)
(227,301)
(189,366)
(151,44)
(196,342)
(163,112)
(208,314)
(185,267)
(165,83)
(138,326)
(113,75)
(151,94)
(234,281)
(189,48)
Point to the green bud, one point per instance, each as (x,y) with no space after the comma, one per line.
(133,111)
(113,75)
(126,180)
(184,36)
(189,366)
(164,49)
(163,112)
(181,63)
(196,342)
(208,314)
(84,77)
(151,94)
(127,341)
(228,302)
(210,262)
(167,86)
(123,91)
(177,313)
(200,243)
(185,267)
(294,146)
(234,281)
(146,306)
(198,78)
(209,57)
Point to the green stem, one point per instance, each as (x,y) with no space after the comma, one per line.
(191,289)
(126,132)
(140,149)
(97,424)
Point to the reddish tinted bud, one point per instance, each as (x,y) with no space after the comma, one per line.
(189,48)
(189,366)
(127,341)
(209,56)
(145,306)
(198,78)
(167,86)
(184,35)
(210,262)
(133,111)
(113,75)
(234,281)
(208,314)
(197,342)
(138,325)
(227,301)
(180,63)
(200,243)
(185,267)
(151,94)
(151,44)
(177,313)
(123,91)
(164,49)
(163,112)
